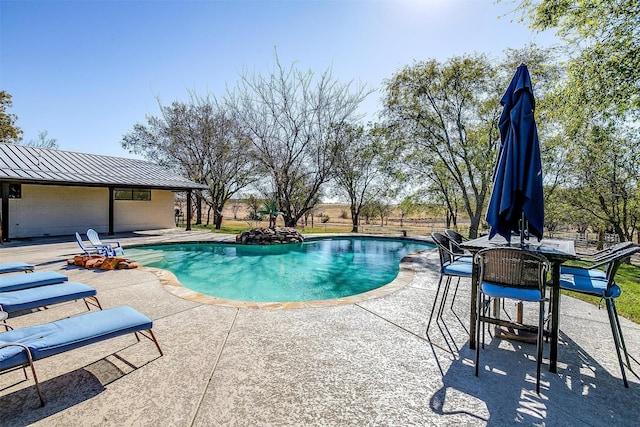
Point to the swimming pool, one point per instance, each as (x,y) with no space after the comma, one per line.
(314,270)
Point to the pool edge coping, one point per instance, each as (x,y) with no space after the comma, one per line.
(405,275)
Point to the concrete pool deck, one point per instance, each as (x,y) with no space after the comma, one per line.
(363,363)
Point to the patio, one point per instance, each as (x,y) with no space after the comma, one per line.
(368,363)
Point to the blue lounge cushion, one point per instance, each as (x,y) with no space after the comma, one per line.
(11,267)
(589,285)
(25,299)
(519,294)
(458,268)
(67,334)
(579,271)
(32,280)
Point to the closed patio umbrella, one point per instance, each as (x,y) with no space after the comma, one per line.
(516,198)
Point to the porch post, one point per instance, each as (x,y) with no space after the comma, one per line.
(188,211)
(111,209)
(5,211)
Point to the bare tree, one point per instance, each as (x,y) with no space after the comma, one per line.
(202,140)
(292,118)
(236,205)
(43,141)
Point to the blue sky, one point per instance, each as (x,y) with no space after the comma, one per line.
(87,71)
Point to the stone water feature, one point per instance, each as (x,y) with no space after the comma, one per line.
(269,236)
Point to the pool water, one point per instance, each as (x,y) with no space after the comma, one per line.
(313,270)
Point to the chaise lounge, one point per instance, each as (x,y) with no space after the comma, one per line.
(25,281)
(21,347)
(112,248)
(25,299)
(12,267)
(90,250)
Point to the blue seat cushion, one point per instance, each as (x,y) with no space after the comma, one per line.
(24,299)
(521,294)
(10,267)
(31,280)
(595,273)
(465,258)
(458,269)
(589,285)
(67,334)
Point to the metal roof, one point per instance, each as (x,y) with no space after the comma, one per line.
(20,163)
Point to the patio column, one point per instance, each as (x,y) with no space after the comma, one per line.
(188,211)
(5,211)
(111,209)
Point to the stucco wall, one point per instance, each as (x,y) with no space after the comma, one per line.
(130,215)
(51,210)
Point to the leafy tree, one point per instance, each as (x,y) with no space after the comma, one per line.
(9,132)
(607,177)
(43,141)
(442,190)
(603,41)
(293,120)
(203,141)
(446,114)
(408,206)
(254,206)
(358,170)
(597,105)
(368,211)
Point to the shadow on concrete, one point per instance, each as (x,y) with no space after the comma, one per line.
(23,408)
(505,387)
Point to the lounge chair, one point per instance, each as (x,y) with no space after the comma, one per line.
(25,281)
(112,248)
(90,250)
(11,267)
(25,299)
(21,347)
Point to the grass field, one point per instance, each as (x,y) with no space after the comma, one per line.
(337,219)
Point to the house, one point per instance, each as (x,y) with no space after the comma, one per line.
(49,192)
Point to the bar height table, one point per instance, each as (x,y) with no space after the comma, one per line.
(556,251)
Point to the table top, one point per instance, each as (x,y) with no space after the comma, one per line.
(553,249)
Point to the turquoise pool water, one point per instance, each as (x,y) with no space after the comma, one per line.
(313,270)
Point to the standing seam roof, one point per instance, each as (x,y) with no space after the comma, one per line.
(42,165)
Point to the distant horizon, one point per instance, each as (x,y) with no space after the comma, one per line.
(86,72)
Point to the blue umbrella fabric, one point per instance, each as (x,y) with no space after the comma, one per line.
(517,182)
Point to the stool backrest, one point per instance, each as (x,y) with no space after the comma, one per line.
(512,267)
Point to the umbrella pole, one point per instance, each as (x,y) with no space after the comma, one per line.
(523,225)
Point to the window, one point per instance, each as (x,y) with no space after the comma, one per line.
(132,194)
(15,191)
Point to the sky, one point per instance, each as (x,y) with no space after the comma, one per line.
(86,71)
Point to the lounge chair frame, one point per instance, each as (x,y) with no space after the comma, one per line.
(145,332)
